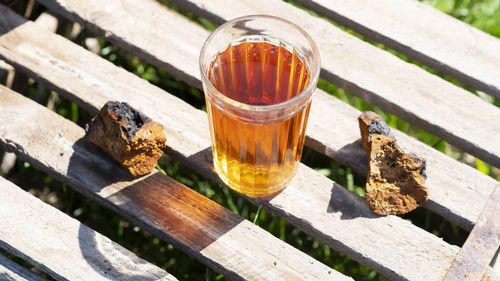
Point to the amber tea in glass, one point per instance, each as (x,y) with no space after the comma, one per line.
(258,89)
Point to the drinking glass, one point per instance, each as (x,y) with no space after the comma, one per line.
(259,73)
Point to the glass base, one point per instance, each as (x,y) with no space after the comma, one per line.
(253,191)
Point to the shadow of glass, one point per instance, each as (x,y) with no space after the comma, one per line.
(176,213)
(6,277)
(162,206)
(102,256)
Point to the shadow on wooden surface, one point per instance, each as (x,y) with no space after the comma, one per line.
(105,170)
(96,252)
(8,22)
(350,205)
(177,211)
(157,203)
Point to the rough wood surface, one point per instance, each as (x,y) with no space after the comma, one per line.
(495,264)
(6,74)
(422,33)
(171,211)
(11,271)
(312,202)
(480,247)
(47,21)
(60,245)
(457,191)
(208,231)
(125,22)
(382,79)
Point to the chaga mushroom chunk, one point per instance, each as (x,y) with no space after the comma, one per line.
(395,184)
(134,119)
(371,123)
(128,135)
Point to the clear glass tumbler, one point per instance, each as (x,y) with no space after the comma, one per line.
(259,73)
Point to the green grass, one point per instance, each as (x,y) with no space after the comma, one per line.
(482,14)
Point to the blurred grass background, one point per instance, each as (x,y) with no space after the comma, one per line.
(484,15)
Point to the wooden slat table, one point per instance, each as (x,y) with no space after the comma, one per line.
(11,270)
(222,240)
(169,48)
(34,227)
(381,78)
(177,214)
(444,43)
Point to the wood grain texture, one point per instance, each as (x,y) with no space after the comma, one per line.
(491,275)
(11,271)
(480,247)
(424,34)
(47,21)
(61,246)
(171,211)
(312,202)
(347,61)
(495,263)
(382,79)
(125,22)
(457,191)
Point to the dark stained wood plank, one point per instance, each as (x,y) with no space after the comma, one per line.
(312,202)
(424,34)
(473,260)
(10,270)
(164,207)
(457,191)
(61,246)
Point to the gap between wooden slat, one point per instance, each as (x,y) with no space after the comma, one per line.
(60,245)
(380,78)
(323,209)
(424,34)
(473,260)
(10,270)
(164,207)
(457,191)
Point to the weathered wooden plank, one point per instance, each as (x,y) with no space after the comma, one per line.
(11,271)
(312,202)
(332,213)
(60,245)
(495,263)
(424,34)
(480,247)
(47,21)
(173,212)
(382,79)
(6,74)
(491,275)
(458,191)
(347,61)
(102,17)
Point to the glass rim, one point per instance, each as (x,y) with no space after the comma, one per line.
(315,69)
